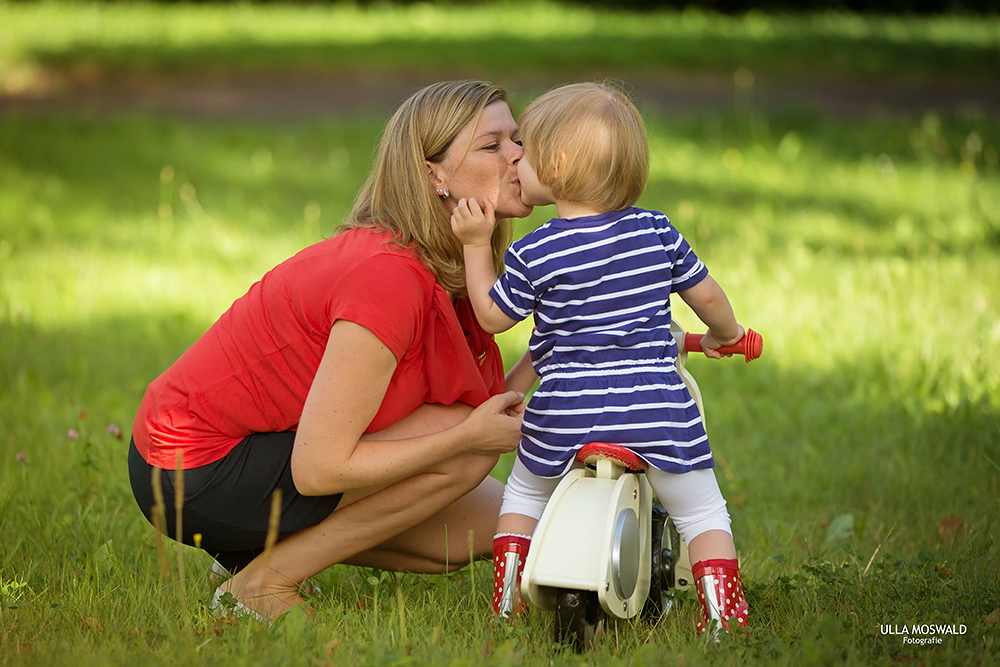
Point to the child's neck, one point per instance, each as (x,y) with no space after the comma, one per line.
(572,209)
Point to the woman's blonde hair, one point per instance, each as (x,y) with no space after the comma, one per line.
(587,143)
(398,196)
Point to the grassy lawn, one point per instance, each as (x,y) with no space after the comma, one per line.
(509,37)
(860,454)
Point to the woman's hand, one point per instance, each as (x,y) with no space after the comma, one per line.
(495,426)
(472,225)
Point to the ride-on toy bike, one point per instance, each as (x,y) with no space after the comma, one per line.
(603,546)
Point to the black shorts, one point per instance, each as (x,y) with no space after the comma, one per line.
(228,502)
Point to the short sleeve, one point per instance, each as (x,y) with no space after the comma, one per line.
(387,295)
(687,269)
(513,293)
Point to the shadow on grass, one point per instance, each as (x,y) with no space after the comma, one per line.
(83,180)
(785,53)
(104,365)
(867,229)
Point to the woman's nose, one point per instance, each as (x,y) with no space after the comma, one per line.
(516,152)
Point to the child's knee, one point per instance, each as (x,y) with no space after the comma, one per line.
(526,493)
(693,501)
(691,526)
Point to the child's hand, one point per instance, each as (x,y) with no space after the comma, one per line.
(472,225)
(709,343)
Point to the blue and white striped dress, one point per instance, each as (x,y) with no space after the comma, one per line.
(600,288)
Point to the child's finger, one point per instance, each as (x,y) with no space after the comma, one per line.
(461,211)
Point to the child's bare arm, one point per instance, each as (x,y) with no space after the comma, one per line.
(710,303)
(474,228)
(521,377)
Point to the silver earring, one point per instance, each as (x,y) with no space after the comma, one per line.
(443,193)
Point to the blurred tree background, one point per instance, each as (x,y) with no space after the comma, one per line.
(739,6)
(924,7)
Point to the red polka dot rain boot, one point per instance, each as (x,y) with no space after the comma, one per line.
(509,553)
(721,594)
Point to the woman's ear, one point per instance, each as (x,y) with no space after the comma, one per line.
(434,174)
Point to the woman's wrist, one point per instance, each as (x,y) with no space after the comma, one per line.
(462,435)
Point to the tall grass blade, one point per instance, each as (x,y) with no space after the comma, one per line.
(159,523)
(179,532)
(273,521)
(400,608)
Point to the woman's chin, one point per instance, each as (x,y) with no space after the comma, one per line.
(518,210)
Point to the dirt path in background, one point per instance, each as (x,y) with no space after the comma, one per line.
(310,96)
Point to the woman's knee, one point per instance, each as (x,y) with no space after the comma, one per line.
(466,471)
(462,472)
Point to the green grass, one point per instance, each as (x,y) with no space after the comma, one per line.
(867,254)
(513,38)
(874,408)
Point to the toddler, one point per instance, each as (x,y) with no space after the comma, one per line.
(598,280)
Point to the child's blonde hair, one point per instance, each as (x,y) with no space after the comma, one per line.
(587,143)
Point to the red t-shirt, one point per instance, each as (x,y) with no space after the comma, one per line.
(251,371)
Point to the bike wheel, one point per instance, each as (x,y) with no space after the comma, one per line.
(578,614)
(671,553)
(653,607)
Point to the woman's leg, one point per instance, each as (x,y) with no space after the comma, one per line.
(441,544)
(401,527)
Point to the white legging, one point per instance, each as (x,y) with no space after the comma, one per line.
(692,499)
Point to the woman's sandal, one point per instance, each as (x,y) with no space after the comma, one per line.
(218,574)
(220,604)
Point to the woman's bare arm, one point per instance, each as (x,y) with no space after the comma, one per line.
(330,455)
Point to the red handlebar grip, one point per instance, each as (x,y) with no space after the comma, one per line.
(750,346)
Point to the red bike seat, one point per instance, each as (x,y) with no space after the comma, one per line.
(594,451)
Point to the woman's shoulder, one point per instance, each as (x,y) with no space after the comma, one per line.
(360,248)
(351,267)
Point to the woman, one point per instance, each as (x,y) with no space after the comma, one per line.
(354,378)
